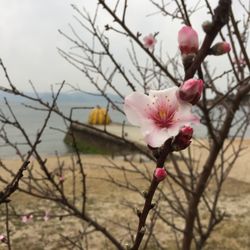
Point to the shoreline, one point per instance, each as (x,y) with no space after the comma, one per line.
(130,132)
(239,171)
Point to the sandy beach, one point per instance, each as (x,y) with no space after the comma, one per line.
(108,200)
(240,171)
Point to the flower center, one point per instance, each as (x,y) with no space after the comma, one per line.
(163,115)
(150,41)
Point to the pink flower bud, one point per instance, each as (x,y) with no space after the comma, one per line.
(190,91)
(160,174)
(220,48)
(149,41)
(183,139)
(188,40)
(61,179)
(3,238)
(187,131)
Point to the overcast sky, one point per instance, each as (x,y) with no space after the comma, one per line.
(29,38)
(28,41)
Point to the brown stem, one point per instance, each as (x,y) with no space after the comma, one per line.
(216,147)
(164,151)
(142,219)
(7,226)
(220,18)
(135,38)
(238,35)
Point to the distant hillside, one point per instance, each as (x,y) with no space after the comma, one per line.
(78,97)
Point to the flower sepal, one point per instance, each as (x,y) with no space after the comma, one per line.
(183,139)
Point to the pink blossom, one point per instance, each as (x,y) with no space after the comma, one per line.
(149,41)
(220,48)
(188,40)
(160,174)
(61,178)
(27,218)
(160,114)
(3,238)
(183,139)
(191,90)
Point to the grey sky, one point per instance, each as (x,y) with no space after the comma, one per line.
(28,41)
(29,37)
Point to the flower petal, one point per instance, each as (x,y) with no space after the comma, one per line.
(184,115)
(158,136)
(169,93)
(135,107)
(160,115)
(155,136)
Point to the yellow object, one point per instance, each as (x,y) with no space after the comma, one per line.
(98,116)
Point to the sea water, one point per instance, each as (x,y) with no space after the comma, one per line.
(32,120)
(52,140)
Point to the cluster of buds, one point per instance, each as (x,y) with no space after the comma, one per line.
(180,142)
(190,91)
(166,114)
(189,44)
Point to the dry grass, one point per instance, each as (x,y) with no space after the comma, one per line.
(107,202)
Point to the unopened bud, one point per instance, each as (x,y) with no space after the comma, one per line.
(3,238)
(207,26)
(220,48)
(190,91)
(183,139)
(160,174)
(188,40)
